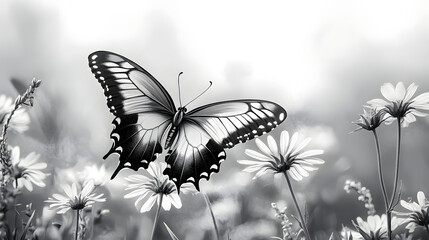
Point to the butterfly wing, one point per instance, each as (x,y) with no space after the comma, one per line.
(142,106)
(208,130)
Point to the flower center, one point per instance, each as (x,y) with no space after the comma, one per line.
(165,187)
(283,164)
(78,203)
(398,109)
(18,172)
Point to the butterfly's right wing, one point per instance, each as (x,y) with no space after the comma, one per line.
(142,106)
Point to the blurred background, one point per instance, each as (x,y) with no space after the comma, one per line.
(320,60)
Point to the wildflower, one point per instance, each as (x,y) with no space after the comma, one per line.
(26,171)
(418,215)
(93,173)
(405,236)
(289,158)
(346,233)
(157,188)
(287,230)
(399,104)
(370,119)
(375,227)
(364,194)
(20,120)
(73,199)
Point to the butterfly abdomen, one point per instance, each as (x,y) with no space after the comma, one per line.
(171,136)
(172,133)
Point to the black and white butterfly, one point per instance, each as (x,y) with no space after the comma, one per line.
(147,122)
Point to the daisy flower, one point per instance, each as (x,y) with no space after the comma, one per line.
(288,157)
(399,103)
(20,119)
(74,199)
(375,227)
(370,119)
(418,215)
(27,171)
(346,233)
(156,188)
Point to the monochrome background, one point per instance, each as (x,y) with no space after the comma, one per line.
(320,60)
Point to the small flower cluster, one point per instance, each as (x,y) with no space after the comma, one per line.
(288,233)
(16,172)
(364,194)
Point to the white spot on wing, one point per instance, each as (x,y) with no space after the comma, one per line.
(94,56)
(214,167)
(204,174)
(126,65)
(127,164)
(281,116)
(191,179)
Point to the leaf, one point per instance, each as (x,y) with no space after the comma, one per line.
(174,237)
(24,232)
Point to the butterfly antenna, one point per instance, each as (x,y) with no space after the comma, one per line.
(178,84)
(200,94)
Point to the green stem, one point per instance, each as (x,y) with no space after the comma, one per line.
(77,225)
(304,225)
(206,198)
(389,224)
(157,216)
(395,183)
(398,151)
(380,171)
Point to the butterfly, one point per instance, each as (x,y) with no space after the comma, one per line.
(147,122)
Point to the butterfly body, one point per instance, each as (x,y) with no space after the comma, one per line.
(177,120)
(147,122)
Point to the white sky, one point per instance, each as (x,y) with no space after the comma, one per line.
(284,45)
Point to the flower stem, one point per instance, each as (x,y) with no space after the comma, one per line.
(304,225)
(156,216)
(206,198)
(389,223)
(398,151)
(380,171)
(395,183)
(77,225)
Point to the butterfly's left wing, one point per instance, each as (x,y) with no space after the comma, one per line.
(208,130)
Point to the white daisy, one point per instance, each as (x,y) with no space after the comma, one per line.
(73,199)
(374,228)
(400,104)
(27,171)
(288,157)
(418,215)
(156,188)
(370,119)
